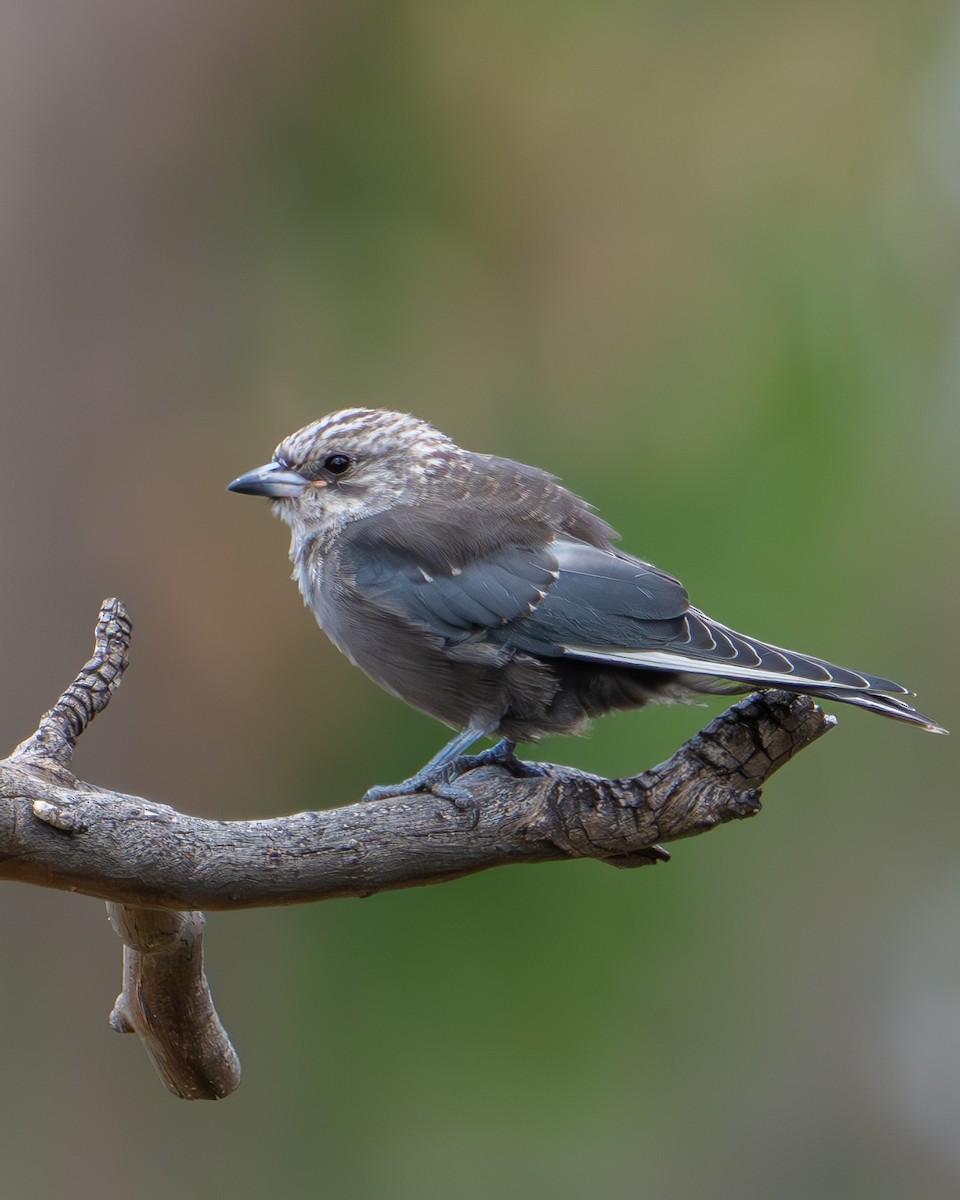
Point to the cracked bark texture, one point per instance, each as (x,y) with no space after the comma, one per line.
(157,867)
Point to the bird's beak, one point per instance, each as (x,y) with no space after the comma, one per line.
(270,480)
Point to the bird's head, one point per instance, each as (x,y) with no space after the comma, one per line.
(350,464)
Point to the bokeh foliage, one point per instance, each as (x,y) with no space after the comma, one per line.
(701,261)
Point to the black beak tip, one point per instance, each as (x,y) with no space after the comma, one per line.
(244,486)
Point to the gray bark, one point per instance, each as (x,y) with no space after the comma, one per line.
(156,866)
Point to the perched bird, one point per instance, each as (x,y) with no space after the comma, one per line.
(484,593)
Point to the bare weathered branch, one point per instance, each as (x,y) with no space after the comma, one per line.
(166,1000)
(132,851)
(89,693)
(155,865)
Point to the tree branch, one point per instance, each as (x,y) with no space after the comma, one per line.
(167,1001)
(143,858)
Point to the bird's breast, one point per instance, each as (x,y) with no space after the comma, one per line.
(310,570)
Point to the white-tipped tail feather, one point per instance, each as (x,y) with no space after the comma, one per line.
(713,650)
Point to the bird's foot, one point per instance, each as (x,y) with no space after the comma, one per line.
(437,781)
(503,754)
(421,782)
(441,779)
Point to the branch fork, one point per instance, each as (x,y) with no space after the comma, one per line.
(158,868)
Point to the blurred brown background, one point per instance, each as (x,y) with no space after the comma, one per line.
(702,261)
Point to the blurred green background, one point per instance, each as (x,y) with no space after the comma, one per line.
(701,260)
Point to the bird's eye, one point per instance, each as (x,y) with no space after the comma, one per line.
(336,464)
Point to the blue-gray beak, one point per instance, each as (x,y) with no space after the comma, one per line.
(270,480)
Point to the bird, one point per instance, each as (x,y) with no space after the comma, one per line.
(484,593)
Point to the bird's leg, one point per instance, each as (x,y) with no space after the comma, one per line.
(437,776)
(503,754)
(440,774)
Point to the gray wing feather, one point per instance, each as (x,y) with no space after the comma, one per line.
(525,594)
(602,598)
(609,607)
(562,597)
(453,601)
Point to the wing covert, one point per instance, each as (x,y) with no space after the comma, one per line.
(422,574)
(602,598)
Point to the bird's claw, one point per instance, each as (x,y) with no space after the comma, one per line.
(440,783)
(460,797)
(503,754)
(385,791)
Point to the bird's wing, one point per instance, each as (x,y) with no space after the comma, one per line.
(447,570)
(458,571)
(609,607)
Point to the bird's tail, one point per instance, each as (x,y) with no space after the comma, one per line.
(752,662)
(878,702)
(712,658)
(888,706)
